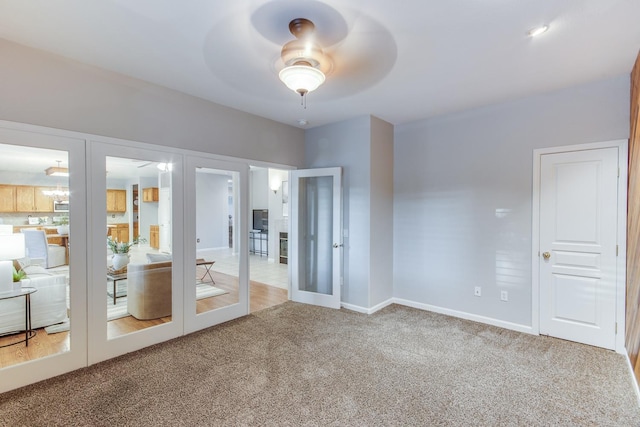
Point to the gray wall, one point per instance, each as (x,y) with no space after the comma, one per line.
(44,89)
(364,148)
(463,194)
(347,144)
(381,240)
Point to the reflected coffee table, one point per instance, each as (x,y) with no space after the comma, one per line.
(26,293)
(115,277)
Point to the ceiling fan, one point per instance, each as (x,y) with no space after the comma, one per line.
(351,49)
(303,59)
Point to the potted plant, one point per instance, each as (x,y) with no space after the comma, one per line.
(18,275)
(63,225)
(121,251)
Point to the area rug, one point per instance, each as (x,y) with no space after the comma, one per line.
(119,310)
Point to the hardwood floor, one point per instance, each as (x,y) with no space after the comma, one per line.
(261,296)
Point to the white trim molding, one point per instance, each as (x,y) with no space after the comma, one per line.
(467,316)
(365,310)
(622,145)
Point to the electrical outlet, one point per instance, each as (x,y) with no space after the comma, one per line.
(504,296)
(477,291)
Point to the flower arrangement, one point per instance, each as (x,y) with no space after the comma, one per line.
(123,247)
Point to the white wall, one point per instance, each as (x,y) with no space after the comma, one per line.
(259,189)
(463,189)
(48,90)
(212,211)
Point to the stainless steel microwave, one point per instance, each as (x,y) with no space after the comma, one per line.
(60,206)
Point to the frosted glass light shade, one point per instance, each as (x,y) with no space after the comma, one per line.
(301,78)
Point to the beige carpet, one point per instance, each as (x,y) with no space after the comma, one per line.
(294,365)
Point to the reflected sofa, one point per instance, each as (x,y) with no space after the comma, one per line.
(48,304)
(149,290)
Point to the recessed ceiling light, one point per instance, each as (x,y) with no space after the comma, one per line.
(534,32)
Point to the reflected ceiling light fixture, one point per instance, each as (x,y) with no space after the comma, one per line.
(58,194)
(302,59)
(534,32)
(57,170)
(165,167)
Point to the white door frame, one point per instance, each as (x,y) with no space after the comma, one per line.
(76,357)
(100,346)
(192,321)
(621,236)
(334,299)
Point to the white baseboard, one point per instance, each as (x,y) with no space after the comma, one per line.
(454,313)
(633,378)
(467,316)
(365,310)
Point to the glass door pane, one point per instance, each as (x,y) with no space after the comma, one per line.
(138,292)
(315,247)
(34,209)
(215,256)
(316,232)
(217,261)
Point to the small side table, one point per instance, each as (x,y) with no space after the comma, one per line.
(26,293)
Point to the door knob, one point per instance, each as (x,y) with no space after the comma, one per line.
(546,255)
(336,246)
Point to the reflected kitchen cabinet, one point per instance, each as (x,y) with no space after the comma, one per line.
(116,200)
(119,232)
(7,198)
(154,236)
(32,199)
(150,194)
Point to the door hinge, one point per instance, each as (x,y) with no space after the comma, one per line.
(616,250)
(616,328)
(618,172)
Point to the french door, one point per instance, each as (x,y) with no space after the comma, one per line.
(216,236)
(140,304)
(315,251)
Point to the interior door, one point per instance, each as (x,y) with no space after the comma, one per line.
(315,248)
(578,226)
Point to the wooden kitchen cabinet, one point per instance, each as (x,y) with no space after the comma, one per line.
(150,194)
(7,198)
(119,232)
(116,200)
(154,236)
(32,199)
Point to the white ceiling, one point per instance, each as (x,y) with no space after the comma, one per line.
(398,60)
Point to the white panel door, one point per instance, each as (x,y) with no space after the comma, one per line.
(578,226)
(315,250)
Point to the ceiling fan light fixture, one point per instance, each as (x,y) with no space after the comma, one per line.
(301,78)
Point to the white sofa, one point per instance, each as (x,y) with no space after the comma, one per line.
(48,304)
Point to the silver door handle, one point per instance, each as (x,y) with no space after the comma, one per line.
(336,245)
